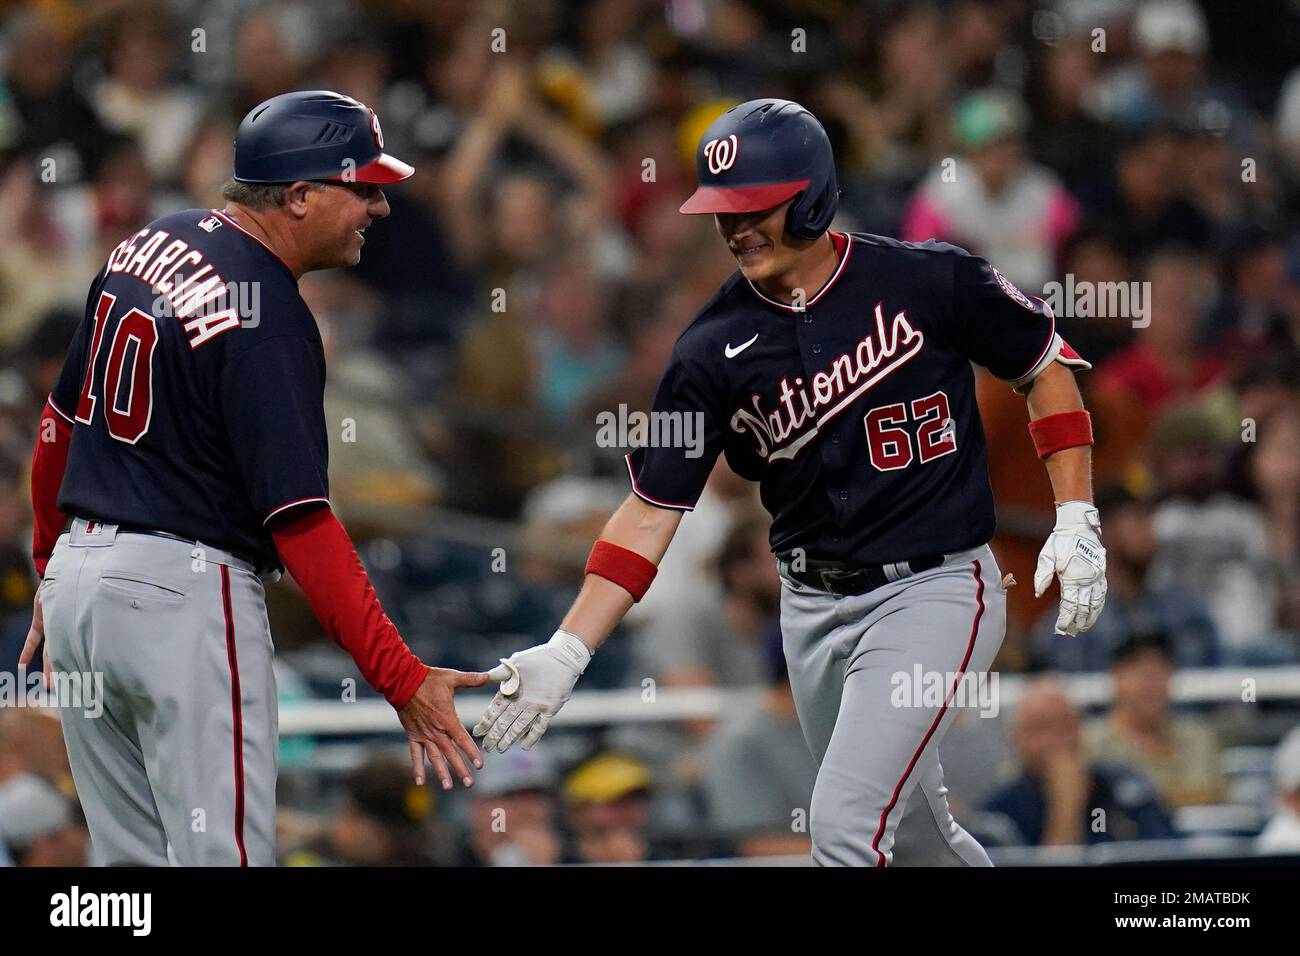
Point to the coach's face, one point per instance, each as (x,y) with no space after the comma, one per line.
(335,218)
(759,241)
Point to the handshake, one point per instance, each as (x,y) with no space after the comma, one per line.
(534,685)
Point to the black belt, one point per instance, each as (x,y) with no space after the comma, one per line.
(259,567)
(846,579)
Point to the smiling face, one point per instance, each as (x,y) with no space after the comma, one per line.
(758,240)
(334,220)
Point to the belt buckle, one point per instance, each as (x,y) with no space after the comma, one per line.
(824,575)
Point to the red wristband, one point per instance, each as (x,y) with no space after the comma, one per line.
(627,569)
(1066,430)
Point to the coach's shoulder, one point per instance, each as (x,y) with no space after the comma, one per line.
(270,313)
(178,219)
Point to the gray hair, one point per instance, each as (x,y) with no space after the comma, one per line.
(258,195)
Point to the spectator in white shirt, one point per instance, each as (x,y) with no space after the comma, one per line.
(1282,834)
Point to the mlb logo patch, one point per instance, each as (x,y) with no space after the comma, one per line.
(209,224)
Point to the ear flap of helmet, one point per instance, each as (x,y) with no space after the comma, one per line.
(811,213)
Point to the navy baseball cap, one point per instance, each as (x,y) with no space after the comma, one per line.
(761,153)
(314,135)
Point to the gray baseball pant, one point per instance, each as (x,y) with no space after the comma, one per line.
(180,767)
(875,745)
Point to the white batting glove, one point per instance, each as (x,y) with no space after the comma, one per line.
(535,684)
(1074,554)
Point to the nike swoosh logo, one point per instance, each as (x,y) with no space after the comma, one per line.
(732,353)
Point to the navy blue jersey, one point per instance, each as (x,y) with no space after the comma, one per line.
(857,412)
(196,382)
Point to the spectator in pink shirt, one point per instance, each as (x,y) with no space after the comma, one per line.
(993,199)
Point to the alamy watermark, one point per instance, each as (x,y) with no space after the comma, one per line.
(133,911)
(213,299)
(1100,300)
(69,689)
(933,689)
(637,429)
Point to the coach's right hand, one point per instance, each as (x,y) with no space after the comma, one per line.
(434,730)
(35,637)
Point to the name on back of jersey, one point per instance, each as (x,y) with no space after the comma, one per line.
(186,287)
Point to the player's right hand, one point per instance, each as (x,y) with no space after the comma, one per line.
(35,637)
(535,684)
(434,730)
(1074,554)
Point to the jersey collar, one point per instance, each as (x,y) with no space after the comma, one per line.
(231,220)
(843,249)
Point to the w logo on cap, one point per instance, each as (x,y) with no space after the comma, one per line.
(375,130)
(721,153)
(788,159)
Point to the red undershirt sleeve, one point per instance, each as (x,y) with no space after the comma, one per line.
(49,459)
(317,551)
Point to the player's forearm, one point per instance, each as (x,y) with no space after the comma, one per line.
(1070,470)
(596,611)
(601,604)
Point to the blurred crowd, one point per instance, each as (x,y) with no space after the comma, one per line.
(535,272)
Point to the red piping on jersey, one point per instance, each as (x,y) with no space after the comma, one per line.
(844,260)
(228,218)
(1068,356)
(66,417)
(643,496)
(970,648)
(1051,339)
(236,713)
(292,504)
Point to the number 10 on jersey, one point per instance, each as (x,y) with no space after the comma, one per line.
(137,334)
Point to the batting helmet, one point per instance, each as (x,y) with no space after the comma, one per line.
(761,153)
(314,135)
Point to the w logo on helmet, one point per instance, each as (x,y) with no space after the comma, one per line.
(721,153)
(374,128)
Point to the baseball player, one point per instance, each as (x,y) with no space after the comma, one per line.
(183,462)
(835,370)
